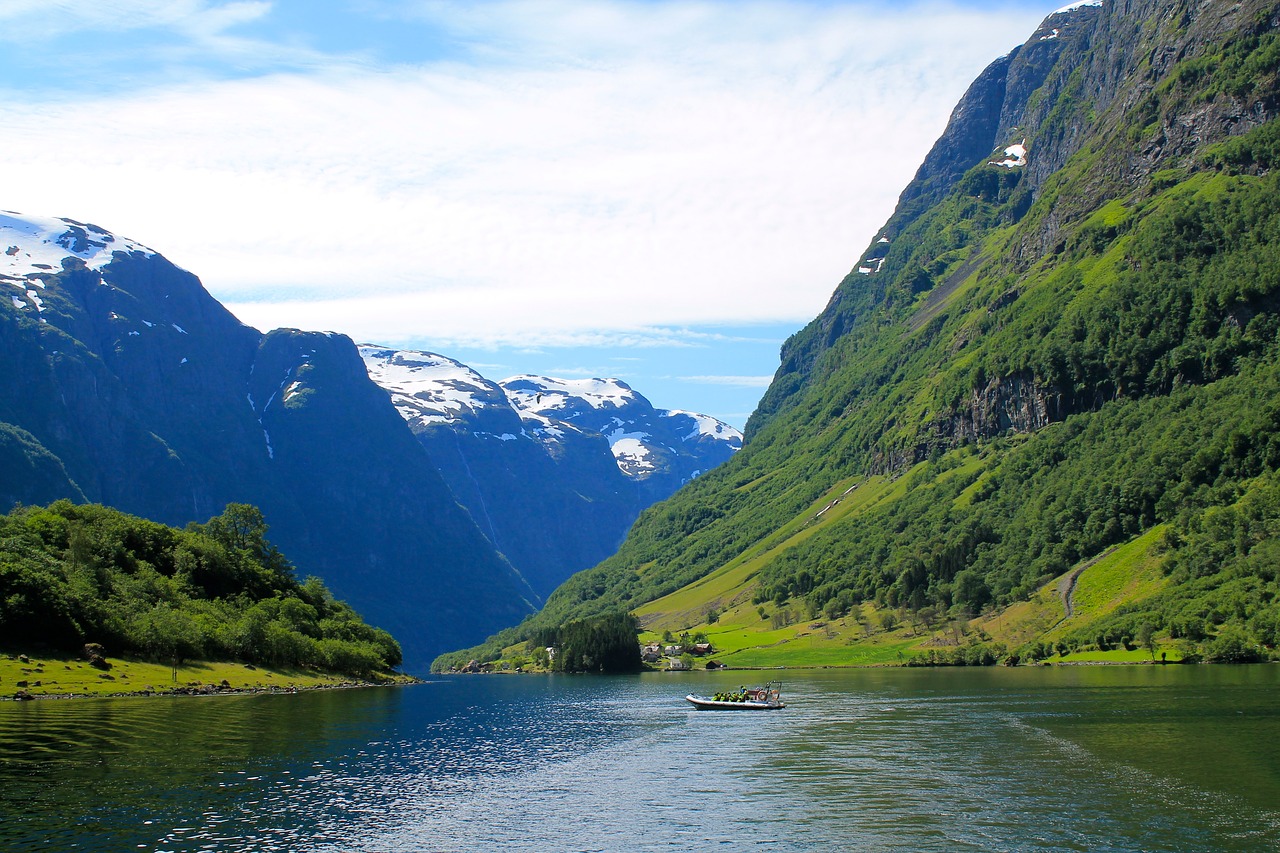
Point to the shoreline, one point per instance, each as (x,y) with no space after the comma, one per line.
(212,690)
(777,667)
(26,677)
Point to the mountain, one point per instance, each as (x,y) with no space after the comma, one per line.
(130,386)
(1043,409)
(554,471)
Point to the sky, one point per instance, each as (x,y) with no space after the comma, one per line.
(655,190)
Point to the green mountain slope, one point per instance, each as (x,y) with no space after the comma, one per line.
(1056,366)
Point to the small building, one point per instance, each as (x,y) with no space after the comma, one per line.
(676,665)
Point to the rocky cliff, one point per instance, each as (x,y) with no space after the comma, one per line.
(1101,97)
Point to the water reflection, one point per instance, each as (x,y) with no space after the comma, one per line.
(1178,758)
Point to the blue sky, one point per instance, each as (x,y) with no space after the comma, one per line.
(658,191)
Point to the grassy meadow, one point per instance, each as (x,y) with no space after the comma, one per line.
(49,674)
(768,635)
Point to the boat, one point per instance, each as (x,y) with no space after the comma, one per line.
(766,698)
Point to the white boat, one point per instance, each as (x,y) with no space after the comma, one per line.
(766,698)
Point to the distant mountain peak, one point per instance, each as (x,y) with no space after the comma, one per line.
(554,471)
(705,425)
(542,394)
(429,388)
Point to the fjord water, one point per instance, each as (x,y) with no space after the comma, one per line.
(1065,758)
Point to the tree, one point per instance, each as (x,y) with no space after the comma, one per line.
(605,643)
(166,634)
(1147,638)
(242,530)
(1233,645)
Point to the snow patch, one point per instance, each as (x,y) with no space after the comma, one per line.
(1014,155)
(544,394)
(705,425)
(38,245)
(632,455)
(427,388)
(1052,35)
(1079,5)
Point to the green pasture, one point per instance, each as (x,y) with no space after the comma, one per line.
(49,674)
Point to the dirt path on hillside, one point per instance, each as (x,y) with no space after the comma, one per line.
(1067,586)
(1067,589)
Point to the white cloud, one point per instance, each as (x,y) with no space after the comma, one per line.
(610,167)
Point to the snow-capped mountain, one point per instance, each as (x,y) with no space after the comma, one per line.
(429,389)
(129,385)
(36,246)
(554,470)
(644,441)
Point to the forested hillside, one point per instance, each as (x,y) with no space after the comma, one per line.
(1059,359)
(73,575)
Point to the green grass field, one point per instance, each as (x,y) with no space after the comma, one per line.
(48,674)
(742,638)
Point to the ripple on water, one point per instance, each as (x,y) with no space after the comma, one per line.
(862,761)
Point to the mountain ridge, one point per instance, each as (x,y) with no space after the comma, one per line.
(1062,339)
(138,390)
(554,471)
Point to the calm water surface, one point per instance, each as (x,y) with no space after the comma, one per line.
(1064,758)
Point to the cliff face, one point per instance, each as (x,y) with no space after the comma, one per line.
(1117,89)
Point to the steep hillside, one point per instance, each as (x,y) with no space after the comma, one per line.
(553,471)
(1063,342)
(130,386)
